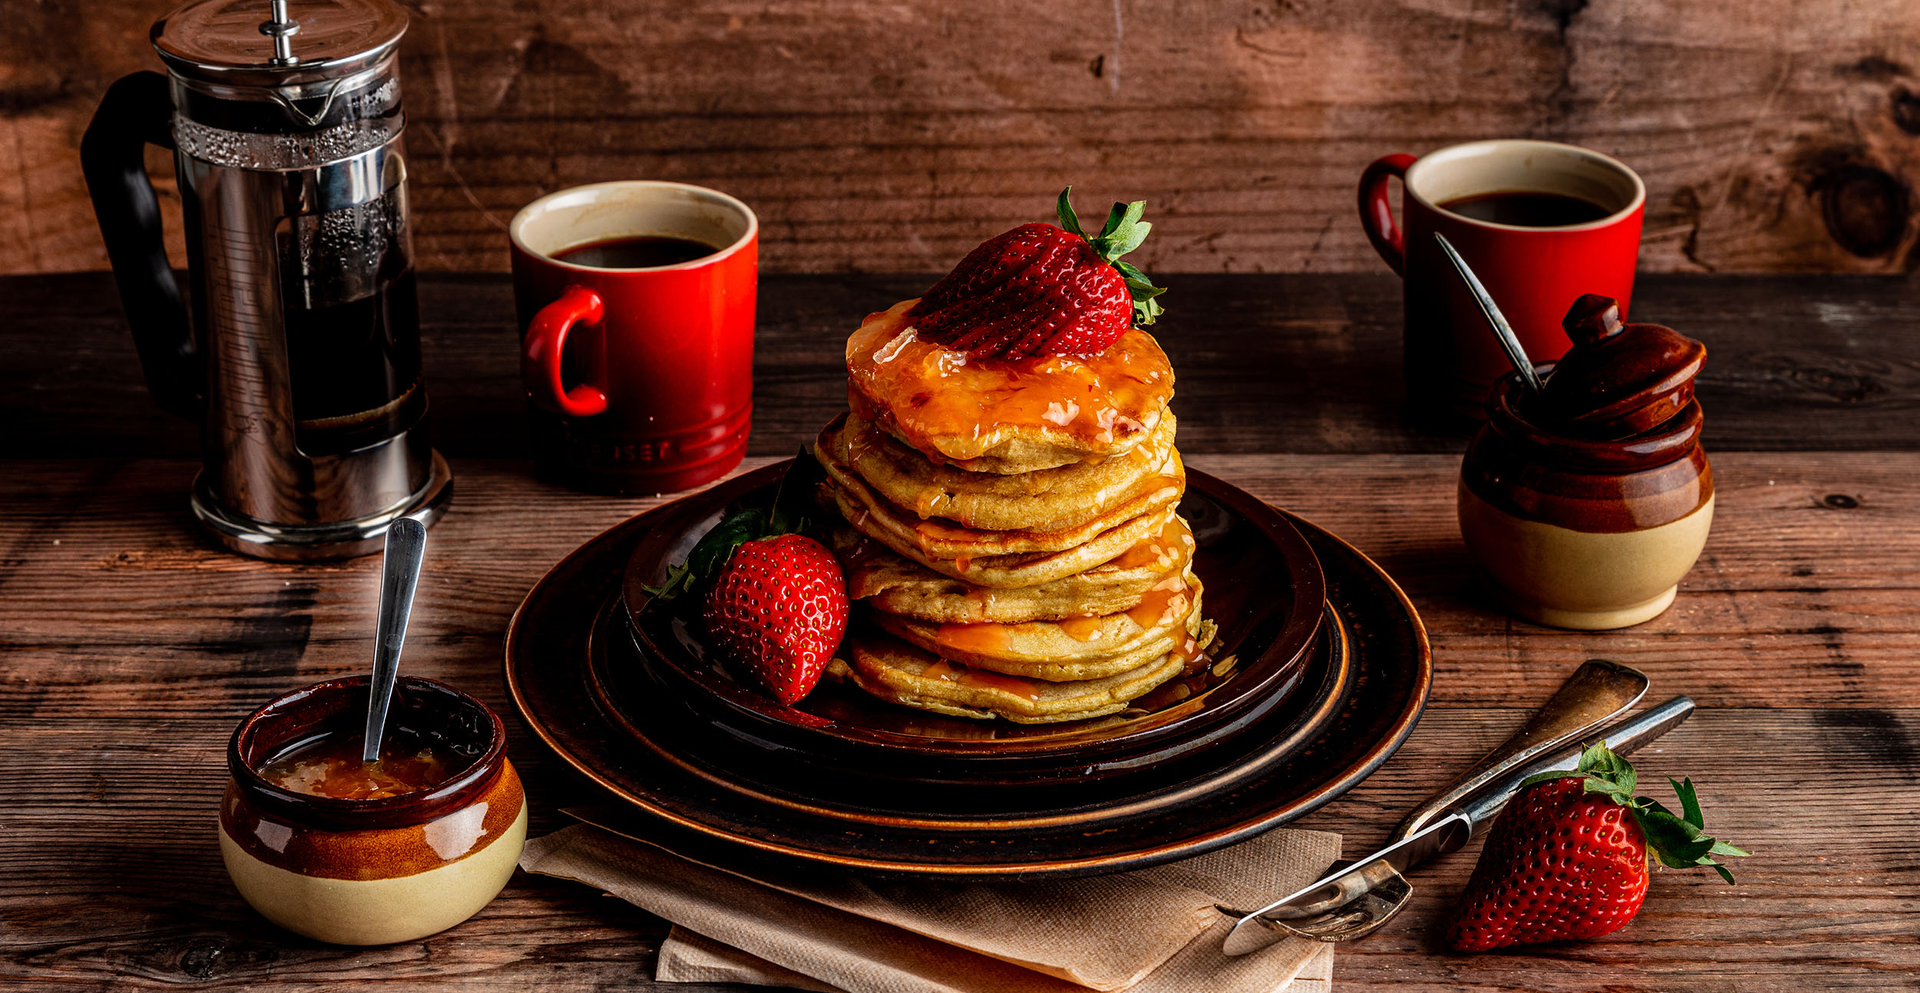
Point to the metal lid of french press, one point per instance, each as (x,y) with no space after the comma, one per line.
(277,43)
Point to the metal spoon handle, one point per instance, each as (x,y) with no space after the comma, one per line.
(1624,738)
(400,574)
(1596,693)
(1516,352)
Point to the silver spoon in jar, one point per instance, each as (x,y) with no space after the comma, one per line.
(400,573)
(1510,342)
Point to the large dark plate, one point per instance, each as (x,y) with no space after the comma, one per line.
(1264,589)
(570,627)
(764,778)
(953,795)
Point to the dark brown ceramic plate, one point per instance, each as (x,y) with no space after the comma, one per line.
(931,796)
(1264,589)
(1316,747)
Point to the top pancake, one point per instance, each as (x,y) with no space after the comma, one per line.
(1005,416)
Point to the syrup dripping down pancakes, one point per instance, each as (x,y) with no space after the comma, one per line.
(1011,535)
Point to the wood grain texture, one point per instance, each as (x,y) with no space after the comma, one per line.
(129,648)
(1824,601)
(1775,135)
(1266,363)
(1825,903)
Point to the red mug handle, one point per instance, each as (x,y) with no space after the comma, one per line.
(540,354)
(1376,214)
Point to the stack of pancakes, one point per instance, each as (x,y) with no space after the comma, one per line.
(1011,528)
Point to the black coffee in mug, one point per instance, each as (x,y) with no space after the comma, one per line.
(637,252)
(1527,209)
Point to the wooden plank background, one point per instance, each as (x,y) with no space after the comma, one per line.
(1775,135)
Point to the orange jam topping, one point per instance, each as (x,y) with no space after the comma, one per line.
(1015,685)
(939,400)
(984,639)
(1187,650)
(1165,601)
(1161,550)
(961,675)
(1081,628)
(990,639)
(931,531)
(331,767)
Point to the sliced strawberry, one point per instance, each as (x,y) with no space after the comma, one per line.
(1043,290)
(1567,858)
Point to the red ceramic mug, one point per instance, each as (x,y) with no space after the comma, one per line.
(1533,271)
(640,378)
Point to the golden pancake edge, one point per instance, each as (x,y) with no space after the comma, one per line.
(1053,499)
(893,670)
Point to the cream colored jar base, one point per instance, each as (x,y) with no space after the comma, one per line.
(377,911)
(1576,579)
(1580,620)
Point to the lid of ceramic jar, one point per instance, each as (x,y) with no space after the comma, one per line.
(1618,379)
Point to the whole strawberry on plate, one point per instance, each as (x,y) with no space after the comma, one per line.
(774,600)
(1043,290)
(1567,858)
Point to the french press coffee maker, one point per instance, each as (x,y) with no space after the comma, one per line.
(302,356)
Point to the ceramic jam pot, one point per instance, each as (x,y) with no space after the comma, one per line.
(1586,505)
(1584,534)
(382,870)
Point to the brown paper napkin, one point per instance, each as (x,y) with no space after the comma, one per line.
(1148,931)
(686,957)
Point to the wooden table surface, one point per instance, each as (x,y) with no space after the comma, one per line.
(129,648)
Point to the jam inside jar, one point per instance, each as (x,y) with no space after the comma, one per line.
(329,764)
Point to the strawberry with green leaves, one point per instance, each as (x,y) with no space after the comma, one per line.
(779,605)
(774,599)
(1567,858)
(1043,290)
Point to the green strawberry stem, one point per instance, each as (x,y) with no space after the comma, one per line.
(1124,231)
(785,515)
(1679,841)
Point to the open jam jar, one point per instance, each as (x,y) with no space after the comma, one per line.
(352,853)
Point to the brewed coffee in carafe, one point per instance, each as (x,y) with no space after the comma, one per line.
(353,334)
(302,358)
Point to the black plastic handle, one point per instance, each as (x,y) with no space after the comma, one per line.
(137,111)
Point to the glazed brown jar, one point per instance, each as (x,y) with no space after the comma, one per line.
(383,869)
(1586,505)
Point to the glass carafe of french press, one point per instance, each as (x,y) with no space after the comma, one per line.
(302,356)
